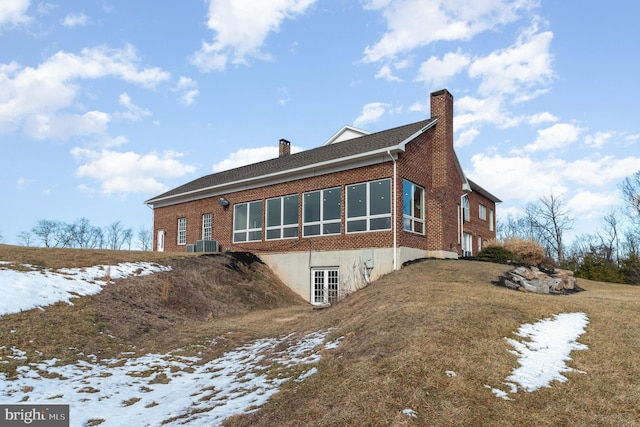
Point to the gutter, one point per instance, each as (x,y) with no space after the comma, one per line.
(395,211)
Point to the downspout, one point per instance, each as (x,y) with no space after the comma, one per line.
(395,212)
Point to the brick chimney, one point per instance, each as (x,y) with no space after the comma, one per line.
(285,148)
(446,184)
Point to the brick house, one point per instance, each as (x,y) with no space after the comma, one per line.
(331,219)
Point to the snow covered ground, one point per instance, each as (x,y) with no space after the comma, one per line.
(35,287)
(543,352)
(176,389)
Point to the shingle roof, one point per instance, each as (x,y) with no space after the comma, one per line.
(485,193)
(369,143)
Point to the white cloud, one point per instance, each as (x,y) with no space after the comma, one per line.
(133,113)
(592,204)
(436,72)
(75,20)
(241,28)
(386,73)
(35,98)
(523,178)
(13,12)
(188,90)
(518,70)
(518,178)
(472,111)
(466,137)
(23,182)
(541,118)
(557,136)
(63,126)
(599,139)
(415,23)
(247,156)
(370,113)
(127,172)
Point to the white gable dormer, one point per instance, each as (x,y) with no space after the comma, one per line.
(346,133)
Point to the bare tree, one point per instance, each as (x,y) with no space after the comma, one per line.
(609,240)
(48,232)
(84,235)
(117,235)
(549,221)
(144,238)
(1,237)
(25,238)
(631,192)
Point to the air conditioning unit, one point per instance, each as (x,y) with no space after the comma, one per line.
(207,246)
(191,248)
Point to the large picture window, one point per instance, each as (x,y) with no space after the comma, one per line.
(247,222)
(412,207)
(182,231)
(369,206)
(321,212)
(282,217)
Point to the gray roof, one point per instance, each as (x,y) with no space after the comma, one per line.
(485,193)
(387,139)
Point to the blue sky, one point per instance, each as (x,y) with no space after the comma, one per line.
(105,104)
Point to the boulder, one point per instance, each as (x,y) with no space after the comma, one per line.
(532,279)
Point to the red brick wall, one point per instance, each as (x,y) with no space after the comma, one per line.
(478,227)
(167,217)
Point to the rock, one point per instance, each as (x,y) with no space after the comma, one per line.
(532,279)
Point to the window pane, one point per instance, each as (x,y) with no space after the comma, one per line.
(417,227)
(240,237)
(291,210)
(407,196)
(417,203)
(359,225)
(356,200)
(255,214)
(273,234)
(290,232)
(331,204)
(255,235)
(380,192)
(332,228)
(240,217)
(312,230)
(273,212)
(380,223)
(312,207)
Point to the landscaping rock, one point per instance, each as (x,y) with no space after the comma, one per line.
(534,280)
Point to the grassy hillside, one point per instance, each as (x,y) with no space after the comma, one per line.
(403,336)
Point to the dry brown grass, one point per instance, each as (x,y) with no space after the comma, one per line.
(400,337)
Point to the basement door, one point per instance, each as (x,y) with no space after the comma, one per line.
(325,285)
(160,241)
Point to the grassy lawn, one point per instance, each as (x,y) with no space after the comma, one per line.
(429,338)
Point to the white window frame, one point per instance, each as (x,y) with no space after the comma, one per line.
(207,226)
(182,231)
(482,211)
(248,229)
(322,223)
(466,216)
(491,220)
(282,227)
(409,221)
(368,218)
(467,244)
(325,285)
